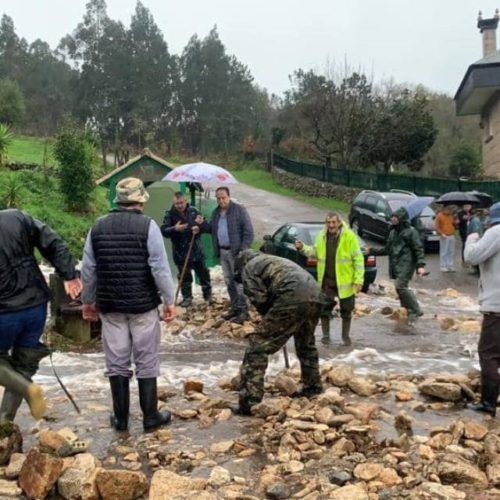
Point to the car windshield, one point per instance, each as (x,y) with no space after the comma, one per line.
(427,212)
(395,204)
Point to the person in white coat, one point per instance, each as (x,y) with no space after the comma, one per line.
(485,252)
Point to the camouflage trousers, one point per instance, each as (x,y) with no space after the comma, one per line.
(276,328)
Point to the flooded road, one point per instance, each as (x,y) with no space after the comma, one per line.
(380,346)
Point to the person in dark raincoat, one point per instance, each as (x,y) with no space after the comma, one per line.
(406,255)
(179,224)
(290,302)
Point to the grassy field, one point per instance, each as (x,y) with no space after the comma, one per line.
(24,149)
(264,180)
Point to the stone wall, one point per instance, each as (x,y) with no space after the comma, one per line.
(313,187)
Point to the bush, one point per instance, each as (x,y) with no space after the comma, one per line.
(465,161)
(75,153)
(5,141)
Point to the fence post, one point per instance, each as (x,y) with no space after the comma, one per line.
(324,173)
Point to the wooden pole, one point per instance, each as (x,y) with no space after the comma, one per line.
(184,267)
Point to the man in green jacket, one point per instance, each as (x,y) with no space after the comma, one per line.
(406,255)
(340,271)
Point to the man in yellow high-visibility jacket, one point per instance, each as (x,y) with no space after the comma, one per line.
(340,270)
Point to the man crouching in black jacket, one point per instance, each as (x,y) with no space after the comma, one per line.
(23,305)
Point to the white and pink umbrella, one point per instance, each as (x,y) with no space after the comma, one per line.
(204,173)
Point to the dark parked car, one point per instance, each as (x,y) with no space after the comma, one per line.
(371,211)
(282,243)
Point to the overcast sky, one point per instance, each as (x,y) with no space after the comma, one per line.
(430,41)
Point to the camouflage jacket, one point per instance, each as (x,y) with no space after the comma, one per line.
(274,282)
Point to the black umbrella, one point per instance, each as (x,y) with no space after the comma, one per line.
(457,198)
(485,200)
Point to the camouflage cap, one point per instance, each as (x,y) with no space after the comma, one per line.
(131,190)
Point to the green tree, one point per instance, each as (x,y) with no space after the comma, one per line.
(465,161)
(11,102)
(401,133)
(336,113)
(75,153)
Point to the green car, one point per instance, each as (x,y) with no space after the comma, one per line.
(282,243)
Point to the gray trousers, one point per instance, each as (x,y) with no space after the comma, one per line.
(235,290)
(127,336)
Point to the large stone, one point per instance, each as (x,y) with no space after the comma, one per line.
(219,476)
(269,407)
(166,485)
(460,471)
(15,465)
(436,491)
(118,484)
(440,441)
(363,411)
(324,415)
(79,480)
(389,477)
(193,385)
(340,375)
(278,491)
(350,492)
(362,386)
(285,384)
(39,473)
(222,446)
(11,441)
(53,442)
(9,489)
(493,473)
(368,471)
(474,430)
(441,390)
(331,397)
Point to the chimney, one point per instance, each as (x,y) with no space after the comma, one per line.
(488,28)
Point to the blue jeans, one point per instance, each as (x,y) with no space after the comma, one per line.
(22,328)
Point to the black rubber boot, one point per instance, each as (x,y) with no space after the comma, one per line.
(346,330)
(230,314)
(489,396)
(148,398)
(308,392)
(25,360)
(325,329)
(240,318)
(186,302)
(121,402)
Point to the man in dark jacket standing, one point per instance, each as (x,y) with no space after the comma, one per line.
(290,302)
(23,305)
(124,267)
(179,224)
(232,232)
(406,255)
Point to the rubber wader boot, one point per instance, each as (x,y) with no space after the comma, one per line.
(25,360)
(148,398)
(240,409)
(325,328)
(346,329)
(15,382)
(121,402)
(489,395)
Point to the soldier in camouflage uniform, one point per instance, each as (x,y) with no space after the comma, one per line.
(290,301)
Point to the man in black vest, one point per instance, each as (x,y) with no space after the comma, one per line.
(125,267)
(179,224)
